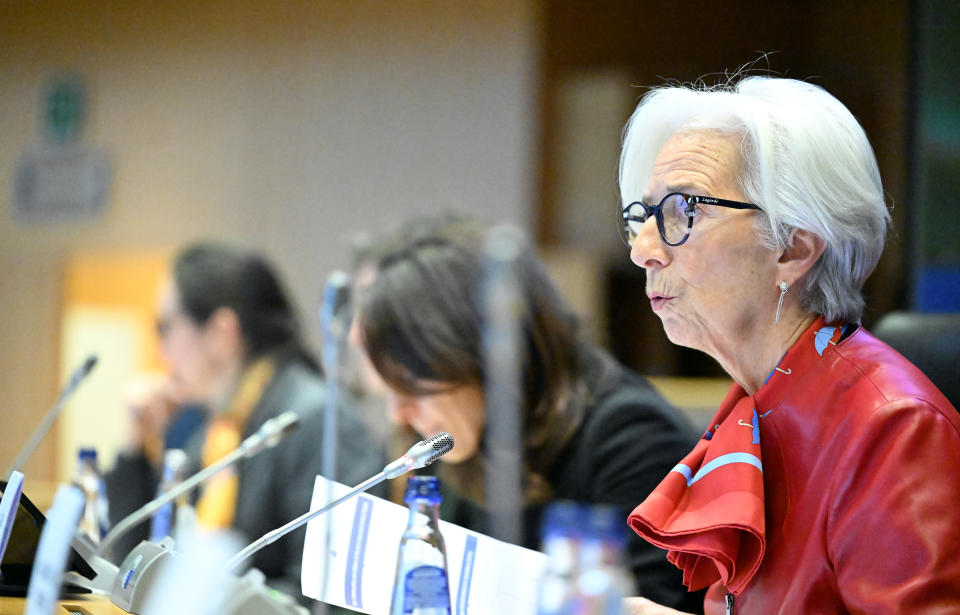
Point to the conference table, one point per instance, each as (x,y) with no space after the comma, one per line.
(88,605)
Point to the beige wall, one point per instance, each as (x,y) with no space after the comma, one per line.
(289,125)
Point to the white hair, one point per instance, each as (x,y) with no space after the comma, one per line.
(806,162)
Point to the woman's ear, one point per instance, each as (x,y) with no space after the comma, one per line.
(802,252)
(226,334)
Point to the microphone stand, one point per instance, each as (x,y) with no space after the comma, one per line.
(76,378)
(420,455)
(334,329)
(249,447)
(335,299)
(503,361)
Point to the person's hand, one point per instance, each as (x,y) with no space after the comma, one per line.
(151,401)
(642,606)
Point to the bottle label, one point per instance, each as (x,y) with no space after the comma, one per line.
(425,587)
(161,524)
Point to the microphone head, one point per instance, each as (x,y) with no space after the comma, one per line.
(421,454)
(276,429)
(89,364)
(425,452)
(336,292)
(335,312)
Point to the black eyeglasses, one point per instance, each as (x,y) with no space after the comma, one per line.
(674,214)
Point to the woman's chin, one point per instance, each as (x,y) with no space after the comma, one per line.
(678,333)
(455,456)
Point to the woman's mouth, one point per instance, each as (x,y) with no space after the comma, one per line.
(657,301)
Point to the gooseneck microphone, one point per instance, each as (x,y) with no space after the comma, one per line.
(266,437)
(419,455)
(335,322)
(78,376)
(503,360)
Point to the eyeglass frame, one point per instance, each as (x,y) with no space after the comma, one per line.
(656,211)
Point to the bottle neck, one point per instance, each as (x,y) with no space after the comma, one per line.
(563,553)
(600,553)
(424,512)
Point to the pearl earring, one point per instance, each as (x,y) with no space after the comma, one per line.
(783,291)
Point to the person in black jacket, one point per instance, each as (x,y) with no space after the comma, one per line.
(591,431)
(230,339)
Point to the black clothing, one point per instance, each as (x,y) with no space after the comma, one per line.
(130,484)
(629,440)
(276,485)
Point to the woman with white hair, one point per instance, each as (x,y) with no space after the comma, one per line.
(829,479)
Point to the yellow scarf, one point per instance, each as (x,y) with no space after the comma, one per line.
(218,503)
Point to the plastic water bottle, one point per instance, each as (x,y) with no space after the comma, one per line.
(561,533)
(95,520)
(603,582)
(421,585)
(174,471)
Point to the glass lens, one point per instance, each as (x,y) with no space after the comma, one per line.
(633,218)
(675,219)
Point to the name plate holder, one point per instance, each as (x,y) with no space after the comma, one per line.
(51,560)
(138,573)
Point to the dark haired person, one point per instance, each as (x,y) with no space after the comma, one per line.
(231,341)
(592,431)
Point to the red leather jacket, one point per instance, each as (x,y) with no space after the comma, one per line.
(861,477)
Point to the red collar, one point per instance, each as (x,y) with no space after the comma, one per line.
(807,351)
(809,348)
(708,512)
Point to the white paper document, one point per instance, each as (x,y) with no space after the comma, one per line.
(487,576)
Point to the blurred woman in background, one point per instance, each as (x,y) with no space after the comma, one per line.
(231,341)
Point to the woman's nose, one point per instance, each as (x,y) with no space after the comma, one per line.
(163,349)
(400,409)
(648,249)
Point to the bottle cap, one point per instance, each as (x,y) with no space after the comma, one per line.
(607,524)
(562,519)
(176,460)
(421,488)
(87,454)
